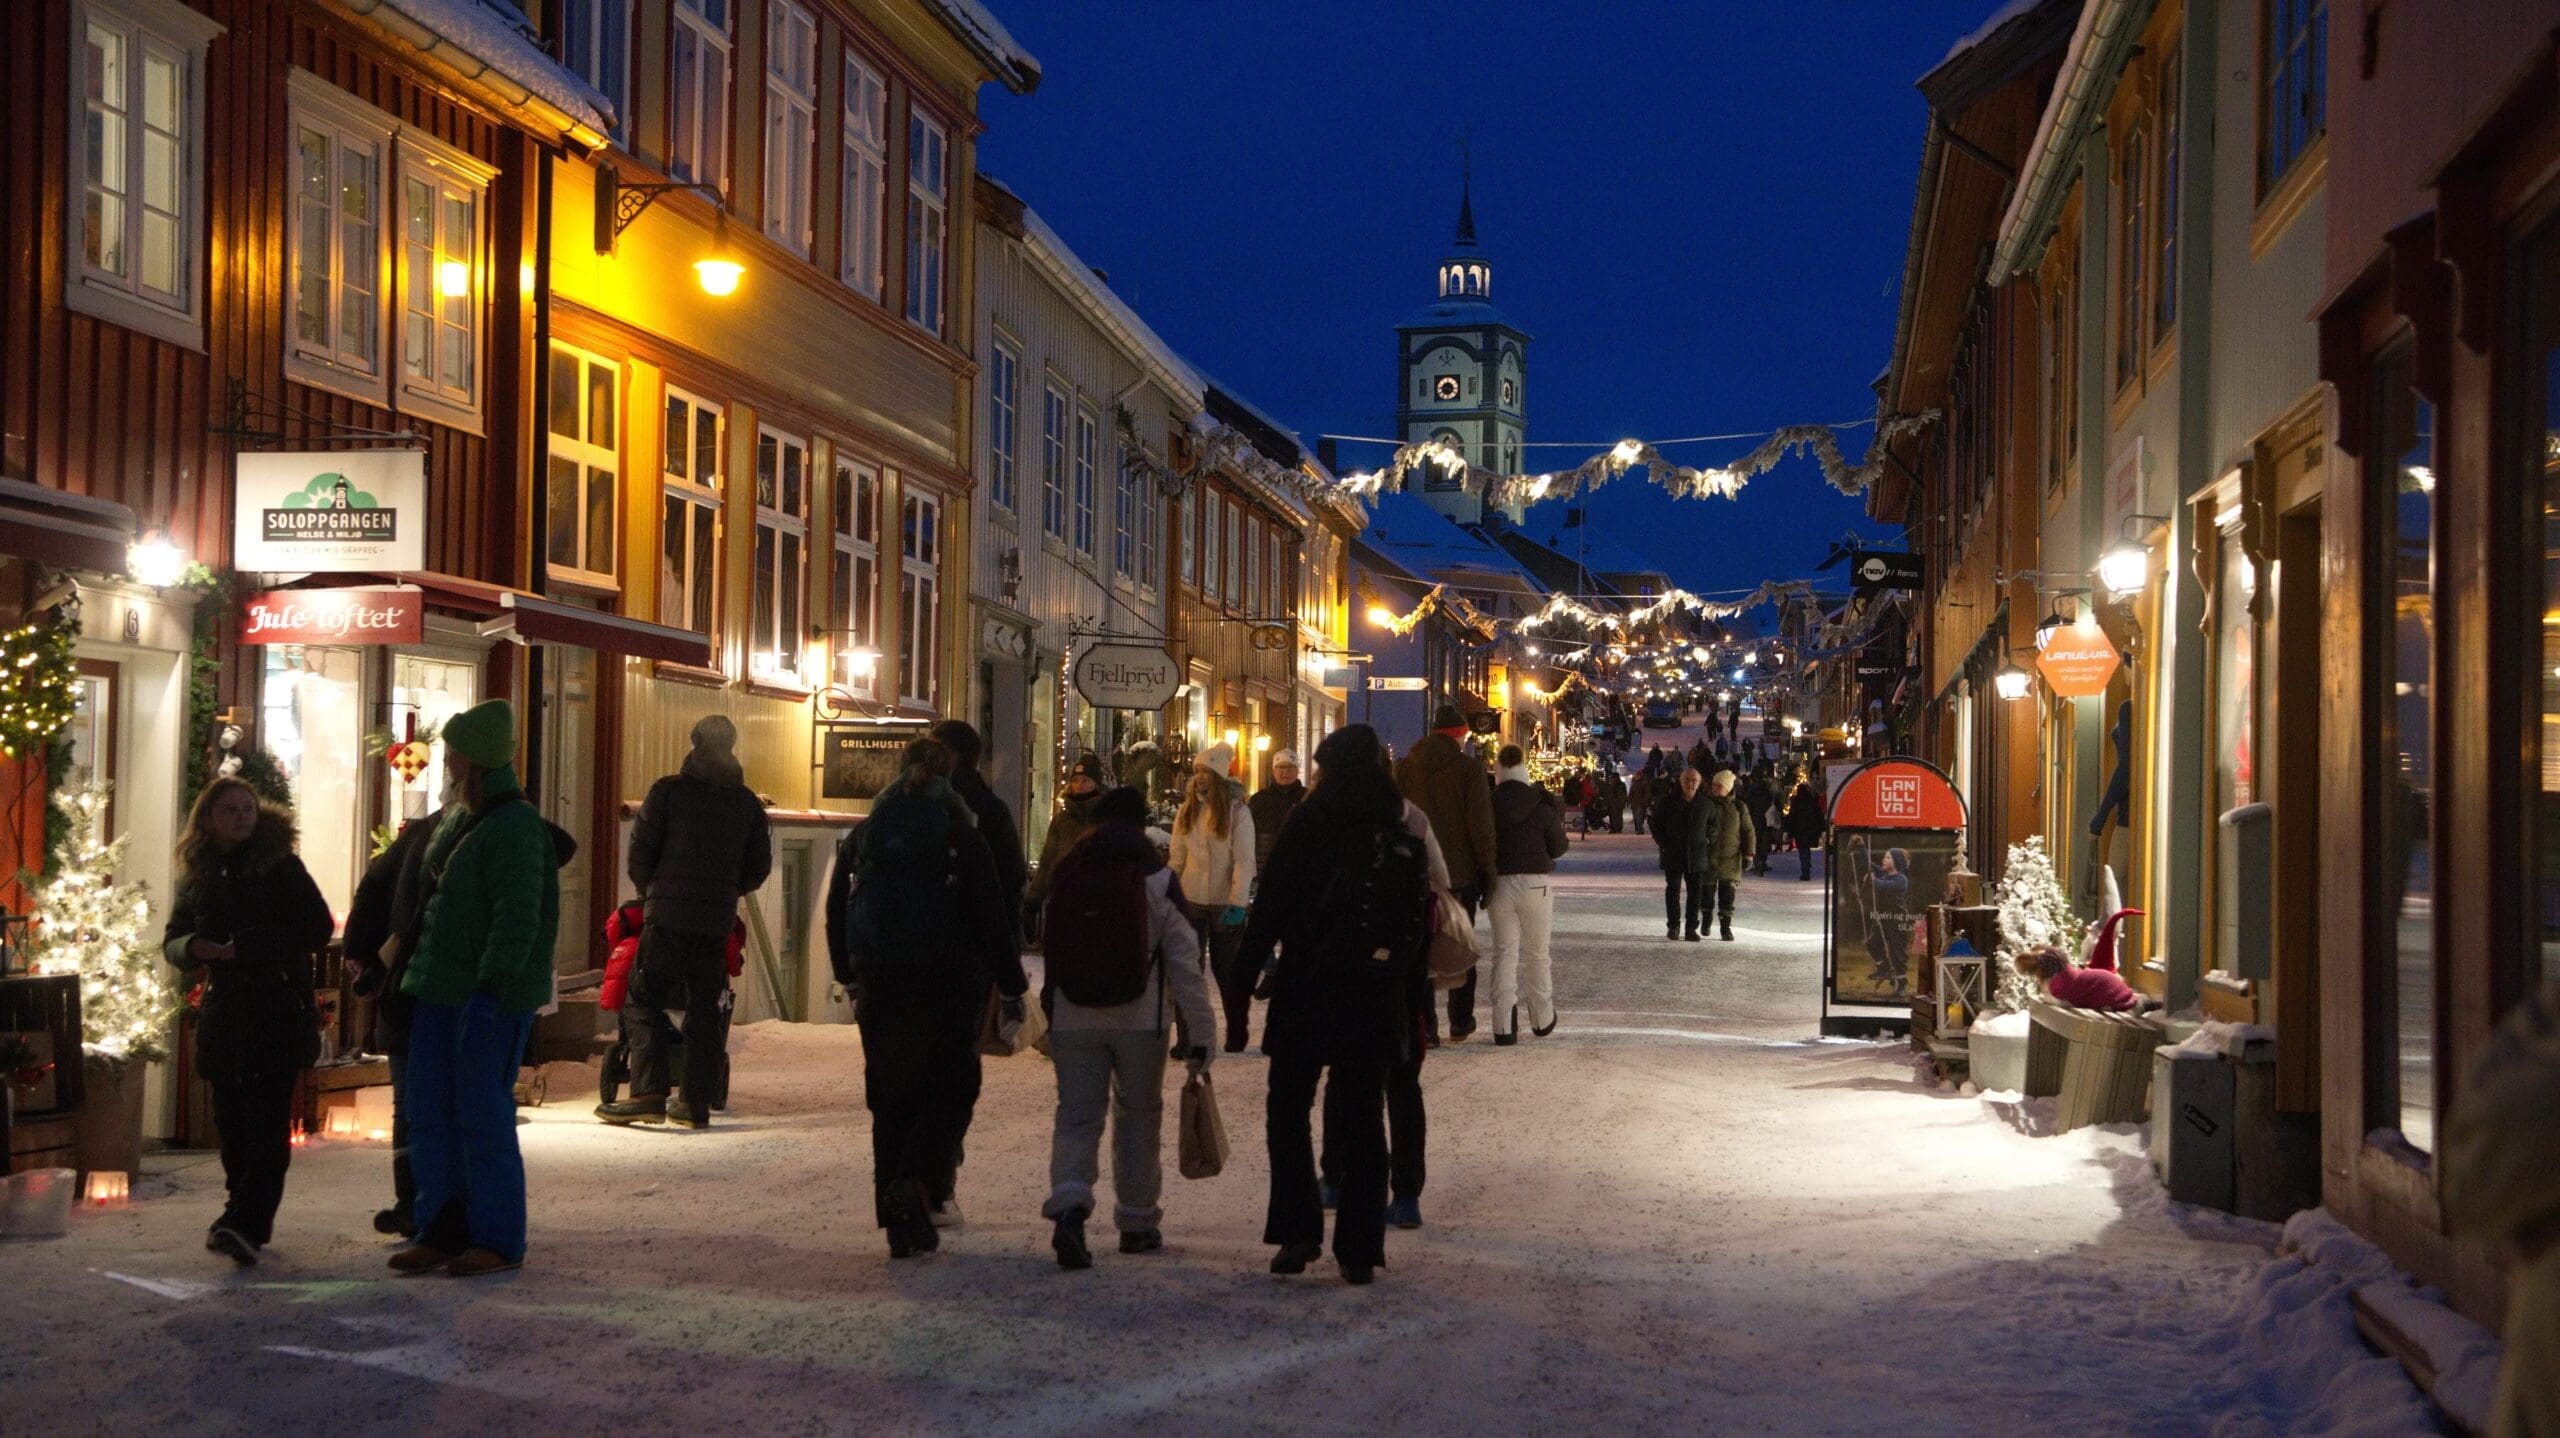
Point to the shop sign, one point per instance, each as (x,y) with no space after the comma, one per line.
(2078,661)
(1394,684)
(859,762)
(1127,676)
(330,512)
(1339,677)
(376,614)
(1875,569)
(1897,794)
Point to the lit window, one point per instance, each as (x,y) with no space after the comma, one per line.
(689,533)
(790,122)
(1150,518)
(866,176)
(1053,463)
(928,205)
(698,93)
(920,598)
(136,228)
(1212,522)
(336,238)
(1232,526)
(857,575)
(1185,518)
(439,281)
(585,464)
(1088,442)
(1252,595)
(782,556)
(1004,422)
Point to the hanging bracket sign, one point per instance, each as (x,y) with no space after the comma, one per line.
(2078,661)
(330,512)
(1127,676)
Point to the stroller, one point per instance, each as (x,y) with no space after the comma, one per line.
(622,935)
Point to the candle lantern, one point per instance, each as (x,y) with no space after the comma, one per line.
(1964,987)
(107,1190)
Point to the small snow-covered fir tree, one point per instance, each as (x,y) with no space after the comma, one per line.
(90,925)
(2034,912)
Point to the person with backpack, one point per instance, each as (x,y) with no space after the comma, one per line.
(1528,838)
(1119,944)
(1213,849)
(995,820)
(918,932)
(1720,844)
(1343,908)
(699,845)
(1456,795)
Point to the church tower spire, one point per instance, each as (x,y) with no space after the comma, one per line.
(1463,370)
(1466,198)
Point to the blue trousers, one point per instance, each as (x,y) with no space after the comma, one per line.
(462,1119)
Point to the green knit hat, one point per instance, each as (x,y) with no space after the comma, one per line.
(485,734)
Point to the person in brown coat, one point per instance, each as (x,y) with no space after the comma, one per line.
(1455,793)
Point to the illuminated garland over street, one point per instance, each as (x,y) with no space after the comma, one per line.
(1680,480)
(1565,606)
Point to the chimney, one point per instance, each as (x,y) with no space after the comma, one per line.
(1324,453)
(1573,516)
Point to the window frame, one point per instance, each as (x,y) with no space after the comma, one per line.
(863,172)
(775,665)
(2392,368)
(2131,247)
(1213,549)
(454,176)
(1083,498)
(694,492)
(595,461)
(1124,516)
(315,104)
(920,627)
(928,220)
(1150,543)
(854,547)
(1056,409)
(789,196)
(2271,170)
(585,53)
(2167,165)
(120,299)
(1004,423)
(1186,523)
(701,157)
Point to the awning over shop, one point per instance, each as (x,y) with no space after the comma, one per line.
(65,530)
(522,618)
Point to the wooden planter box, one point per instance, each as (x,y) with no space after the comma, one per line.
(109,1139)
(2098,1064)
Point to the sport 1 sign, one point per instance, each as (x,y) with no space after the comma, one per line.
(330,512)
(383,614)
(1127,676)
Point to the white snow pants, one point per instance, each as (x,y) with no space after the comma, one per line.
(1524,912)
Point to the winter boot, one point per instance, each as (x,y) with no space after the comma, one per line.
(624,1112)
(1142,1240)
(1067,1241)
(1724,928)
(1294,1257)
(1552,1020)
(232,1244)
(1404,1213)
(395,1222)
(480,1263)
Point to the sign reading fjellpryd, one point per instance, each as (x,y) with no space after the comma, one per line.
(330,512)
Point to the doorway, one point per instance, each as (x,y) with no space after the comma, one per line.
(2294,768)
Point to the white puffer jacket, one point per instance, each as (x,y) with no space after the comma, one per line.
(1216,869)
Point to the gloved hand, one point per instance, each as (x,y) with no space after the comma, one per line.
(1262,986)
(1233,918)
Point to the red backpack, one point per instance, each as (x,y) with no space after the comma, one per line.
(1094,928)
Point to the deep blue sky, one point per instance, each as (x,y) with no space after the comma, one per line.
(1698,210)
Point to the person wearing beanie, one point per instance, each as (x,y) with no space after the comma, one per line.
(1720,846)
(1271,805)
(699,845)
(1074,817)
(483,965)
(1451,788)
(1528,838)
(1213,859)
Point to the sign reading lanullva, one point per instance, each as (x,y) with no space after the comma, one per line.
(330,512)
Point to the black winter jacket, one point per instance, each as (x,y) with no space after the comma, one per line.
(258,1015)
(1271,809)
(1528,829)
(1805,821)
(988,949)
(700,842)
(1670,825)
(995,825)
(1322,1007)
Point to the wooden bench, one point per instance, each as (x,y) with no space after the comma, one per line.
(2097,1064)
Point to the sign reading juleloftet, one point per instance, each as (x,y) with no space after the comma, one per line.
(382,614)
(326,512)
(1127,676)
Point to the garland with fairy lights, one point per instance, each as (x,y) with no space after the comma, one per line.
(1441,459)
(39,681)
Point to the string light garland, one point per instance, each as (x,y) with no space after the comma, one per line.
(39,681)
(1565,606)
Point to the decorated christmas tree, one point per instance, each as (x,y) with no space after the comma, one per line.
(89,924)
(2034,912)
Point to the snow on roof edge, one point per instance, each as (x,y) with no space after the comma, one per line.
(974,22)
(1074,271)
(481,30)
(1984,31)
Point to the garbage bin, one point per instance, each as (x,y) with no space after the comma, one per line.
(2191,1125)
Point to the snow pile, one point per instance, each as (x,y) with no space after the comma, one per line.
(2007,1024)
(2216,1039)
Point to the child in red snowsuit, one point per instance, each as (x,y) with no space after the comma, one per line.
(622,933)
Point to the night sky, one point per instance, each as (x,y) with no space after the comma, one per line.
(1698,210)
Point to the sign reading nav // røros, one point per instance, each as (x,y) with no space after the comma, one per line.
(1127,676)
(330,512)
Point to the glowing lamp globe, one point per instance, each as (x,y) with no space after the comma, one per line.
(2125,569)
(2011,682)
(156,561)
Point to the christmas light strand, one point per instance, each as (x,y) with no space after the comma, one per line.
(39,682)
(1565,606)
(1682,481)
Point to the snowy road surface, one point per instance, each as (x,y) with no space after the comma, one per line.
(1679,1214)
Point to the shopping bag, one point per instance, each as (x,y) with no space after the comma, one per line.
(1204,1134)
(1453,941)
(1000,1037)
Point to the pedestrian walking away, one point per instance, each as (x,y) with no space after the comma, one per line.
(1213,856)
(1758,797)
(1528,838)
(1120,948)
(1074,816)
(1456,795)
(1683,900)
(918,933)
(380,936)
(699,845)
(483,966)
(1720,846)
(1805,825)
(1343,912)
(247,920)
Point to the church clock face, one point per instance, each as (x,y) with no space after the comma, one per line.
(1445,387)
(1510,391)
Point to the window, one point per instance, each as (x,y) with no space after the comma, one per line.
(2164,284)
(782,556)
(1231,526)
(1210,544)
(341,149)
(857,577)
(137,149)
(595,41)
(1150,523)
(1088,441)
(698,93)
(2293,94)
(1185,520)
(585,466)
(1252,543)
(689,529)
(866,176)
(790,122)
(1124,518)
(440,275)
(1004,422)
(2062,385)
(928,203)
(919,597)
(1053,463)
(2131,242)
(2538,645)
(2403,485)
(1275,585)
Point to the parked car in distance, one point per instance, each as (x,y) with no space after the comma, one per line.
(1661,714)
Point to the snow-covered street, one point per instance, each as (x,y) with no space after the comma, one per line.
(1677,1214)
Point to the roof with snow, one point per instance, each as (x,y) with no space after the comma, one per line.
(1424,540)
(1459,314)
(1565,530)
(1083,283)
(993,44)
(489,40)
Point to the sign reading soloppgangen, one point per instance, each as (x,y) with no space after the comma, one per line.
(330,512)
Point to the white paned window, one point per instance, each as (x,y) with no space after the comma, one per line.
(698,92)
(595,41)
(1235,546)
(1274,577)
(857,578)
(1252,596)
(689,529)
(790,122)
(865,200)
(920,598)
(1088,442)
(1124,518)
(341,150)
(1150,516)
(780,626)
(928,210)
(1004,422)
(585,465)
(1211,520)
(1053,463)
(136,224)
(440,281)
(1185,518)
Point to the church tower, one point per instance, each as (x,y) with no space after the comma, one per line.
(1462,368)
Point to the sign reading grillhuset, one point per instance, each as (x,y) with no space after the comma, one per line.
(330,512)
(1127,676)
